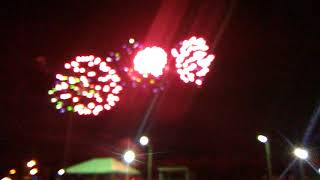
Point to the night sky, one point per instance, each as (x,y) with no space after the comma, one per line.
(265,79)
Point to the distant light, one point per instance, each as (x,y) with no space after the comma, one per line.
(144,140)
(31,163)
(262,138)
(319,170)
(6,178)
(301,153)
(61,172)
(131,40)
(33,171)
(12,171)
(129,156)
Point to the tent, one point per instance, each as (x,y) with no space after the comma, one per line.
(101,166)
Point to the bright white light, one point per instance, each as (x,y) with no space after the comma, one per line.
(198,82)
(67,66)
(91,73)
(75,99)
(131,40)
(97,61)
(301,153)
(97,87)
(59,76)
(91,105)
(33,171)
(74,64)
(6,178)
(64,85)
(82,70)
(72,80)
(129,156)
(151,60)
(90,64)
(262,138)
(107,107)
(144,140)
(31,163)
(65,96)
(106,88)
(61,172)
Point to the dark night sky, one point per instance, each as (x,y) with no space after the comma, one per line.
(265,79)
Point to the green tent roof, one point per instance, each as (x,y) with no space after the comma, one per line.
(101,166)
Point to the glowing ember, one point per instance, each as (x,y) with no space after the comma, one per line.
(192,60)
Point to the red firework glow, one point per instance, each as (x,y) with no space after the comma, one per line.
(151,60)
(192,60)
(88,86)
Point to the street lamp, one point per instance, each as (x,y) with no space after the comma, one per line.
(301,153)
(31,163)
(144,141)
(6,178)
(263,139)
(129,156)
(12,171)
(33,171)
(61,172)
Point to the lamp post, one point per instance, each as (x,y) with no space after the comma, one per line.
(144,141)
(61,172)
(263,139)
(31,163)
(33,170)
(129,156)
(301,153)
